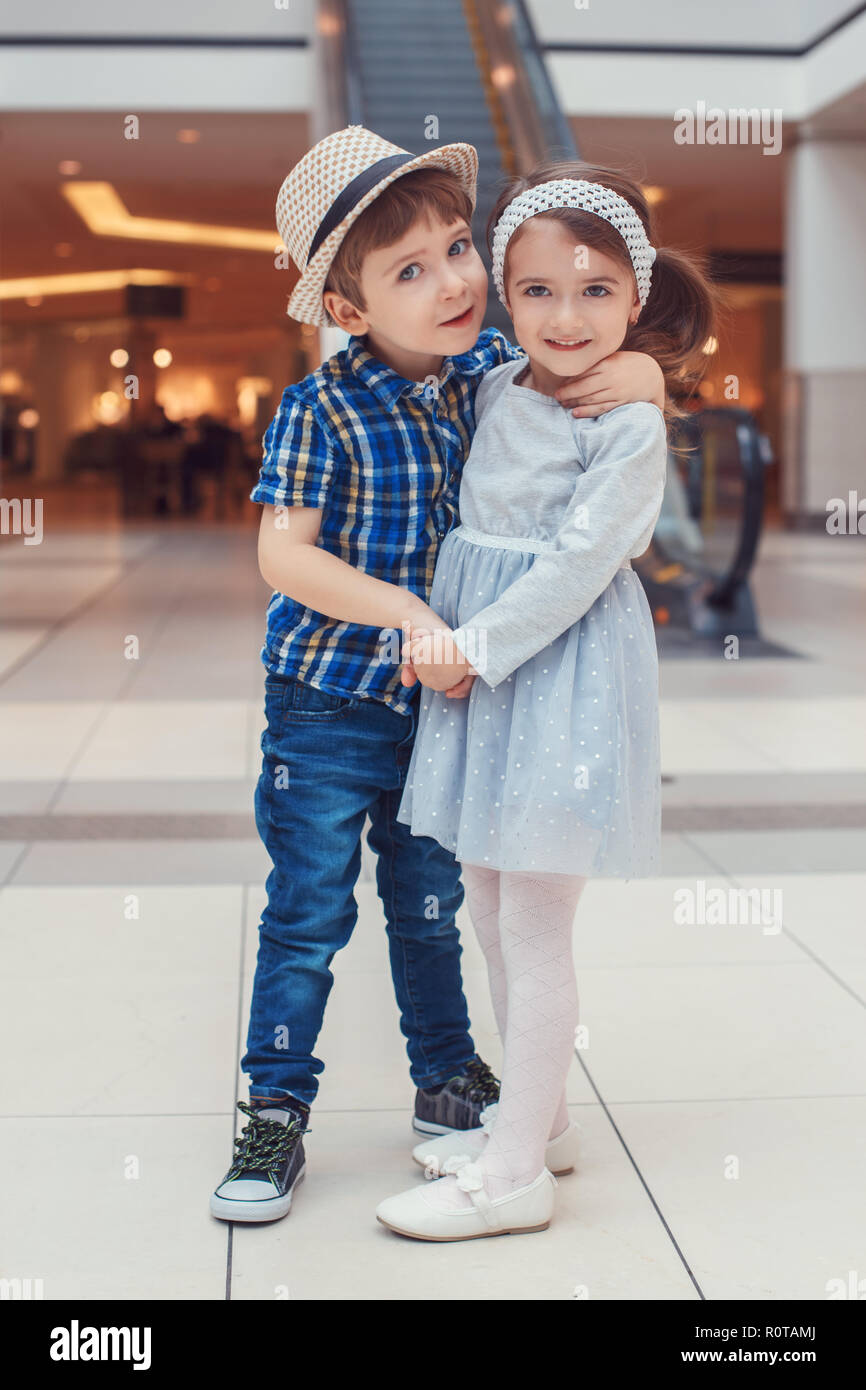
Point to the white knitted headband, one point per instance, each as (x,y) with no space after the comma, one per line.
(591,197)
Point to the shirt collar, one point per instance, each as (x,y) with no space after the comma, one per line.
(389,386)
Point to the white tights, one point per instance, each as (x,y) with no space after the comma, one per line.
(524,924)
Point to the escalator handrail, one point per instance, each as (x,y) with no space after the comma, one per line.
(753,465)
(352,68)
(558,127)
(338,71)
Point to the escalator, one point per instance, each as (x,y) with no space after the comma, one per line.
(425,74)
(696,569)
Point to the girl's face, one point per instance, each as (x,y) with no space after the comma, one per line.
(570,304)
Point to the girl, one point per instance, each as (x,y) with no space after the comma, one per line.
(549,772)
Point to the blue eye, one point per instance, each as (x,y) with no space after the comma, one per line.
(404,276)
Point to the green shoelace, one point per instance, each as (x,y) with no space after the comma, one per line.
(263,1145)
(479,1083)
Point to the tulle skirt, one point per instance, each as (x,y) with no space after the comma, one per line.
(558,768)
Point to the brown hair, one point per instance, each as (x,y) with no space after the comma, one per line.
(683,307)
(423,192)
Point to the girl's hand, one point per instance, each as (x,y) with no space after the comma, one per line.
(437,660)
(616,380)
(462,688)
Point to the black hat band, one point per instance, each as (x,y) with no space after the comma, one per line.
(352,194)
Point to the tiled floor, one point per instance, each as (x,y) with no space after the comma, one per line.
(722,1091)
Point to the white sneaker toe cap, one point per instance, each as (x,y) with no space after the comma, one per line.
(246,1190)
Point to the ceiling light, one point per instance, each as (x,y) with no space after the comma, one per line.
(87,282)
(99,206)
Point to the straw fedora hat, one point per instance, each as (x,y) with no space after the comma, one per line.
(330,187)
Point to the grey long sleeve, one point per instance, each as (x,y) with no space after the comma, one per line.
(611,516)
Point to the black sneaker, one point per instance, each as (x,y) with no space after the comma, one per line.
(457,1103)
(268,1165)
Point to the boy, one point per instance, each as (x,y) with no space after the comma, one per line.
(359,484)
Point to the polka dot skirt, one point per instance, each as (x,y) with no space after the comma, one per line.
(558,768)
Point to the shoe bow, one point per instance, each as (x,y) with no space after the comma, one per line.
(469,1176)
(488,1115)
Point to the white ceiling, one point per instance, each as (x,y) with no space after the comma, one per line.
(732,24)
(215,18)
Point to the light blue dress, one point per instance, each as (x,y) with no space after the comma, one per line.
(553,762)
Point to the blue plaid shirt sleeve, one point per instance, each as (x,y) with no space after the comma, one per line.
(497,350)
(299,457)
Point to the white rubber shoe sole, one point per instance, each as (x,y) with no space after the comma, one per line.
(266,1209)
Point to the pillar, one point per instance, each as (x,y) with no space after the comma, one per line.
(825,327)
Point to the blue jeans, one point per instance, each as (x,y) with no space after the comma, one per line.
(328,760)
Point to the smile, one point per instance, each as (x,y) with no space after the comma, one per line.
(460,320)
(567,342)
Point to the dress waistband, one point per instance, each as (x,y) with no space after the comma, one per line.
(534,544)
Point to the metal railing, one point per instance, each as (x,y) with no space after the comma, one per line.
(725,453)
(521,97)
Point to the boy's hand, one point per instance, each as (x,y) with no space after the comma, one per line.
(408,675)
(616,380)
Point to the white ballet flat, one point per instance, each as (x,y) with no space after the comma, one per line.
(560,1154)
(527,1209)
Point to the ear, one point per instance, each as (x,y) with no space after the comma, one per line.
(634,311)
(344,314)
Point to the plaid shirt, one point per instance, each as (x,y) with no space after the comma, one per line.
(382,456)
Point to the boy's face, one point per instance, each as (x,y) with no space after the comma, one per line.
(569,310)
(425,296)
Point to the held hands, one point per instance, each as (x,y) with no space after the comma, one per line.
(615,380)
(433,658)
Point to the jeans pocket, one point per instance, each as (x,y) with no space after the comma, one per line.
(307,703)
(275,695)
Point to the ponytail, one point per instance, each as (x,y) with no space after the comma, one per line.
(682,312)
